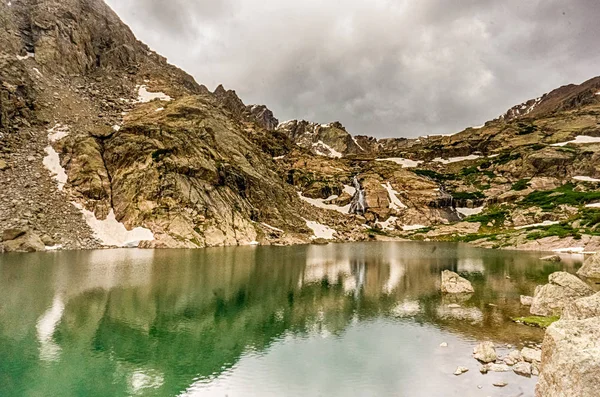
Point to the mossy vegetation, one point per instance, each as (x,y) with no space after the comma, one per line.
(562,230)
(436,176)
(468,195)
(536,321)
(521,184)
(494,215)
(548,200)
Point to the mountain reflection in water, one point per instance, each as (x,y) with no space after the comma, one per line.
(167,322)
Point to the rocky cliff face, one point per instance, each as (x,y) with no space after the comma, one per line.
(104,143)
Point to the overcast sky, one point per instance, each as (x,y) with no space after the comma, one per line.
(385,68)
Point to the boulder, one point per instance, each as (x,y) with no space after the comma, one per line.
(13,233)
(513,357)
(28,242)
(485,352)
(522,368)
(531,355)
(562,289)
(526,300)
(591,267)
(452,283)
(583,308)
(570,359)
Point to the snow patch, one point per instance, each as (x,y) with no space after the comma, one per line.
(456,159)
(271,227)
(570,250)
(112,232)
(579,139)
(593,205)
(54,247)
(58,132)
(469,211)
(545,223)
(388,224)
(405,163)
(395,202)
(116,128)
(585,179)
(351,190)
(323,149)
(52,163)
(408,228)
(478,127)
(278,157)
(159,109)
(357,144)
(145,96)
(29,54)
(37,71)
(320,230)
(321,203)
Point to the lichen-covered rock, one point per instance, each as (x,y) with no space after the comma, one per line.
(591,267)
(570,359)
(485,352)
(562,289)
(583,308)
(452,283)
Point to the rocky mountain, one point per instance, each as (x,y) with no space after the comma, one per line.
(103,143)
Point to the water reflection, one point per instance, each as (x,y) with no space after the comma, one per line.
(132,322)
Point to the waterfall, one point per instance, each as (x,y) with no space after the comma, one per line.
(358,204)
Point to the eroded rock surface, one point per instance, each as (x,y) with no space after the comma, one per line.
(562,288)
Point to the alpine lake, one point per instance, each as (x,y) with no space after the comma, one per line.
(355,319)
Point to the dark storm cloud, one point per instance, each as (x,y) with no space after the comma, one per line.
(381,67)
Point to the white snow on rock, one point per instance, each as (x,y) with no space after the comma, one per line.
(321,203)
(395,202)
(37,71)
(388,224)
(545,223)
(52,163)
(408,228)
(469,211)
(29,54)
(593,205)
(456,159)
(357,144)
(320,230)
(116,128)
(585,179)
(159,109)
(278,158)
(58,132)
(405,163)
(323,149)
(478,127)
(271,227)
(351,190)
(579,139)
(112,232)
(569,250)
(146,96)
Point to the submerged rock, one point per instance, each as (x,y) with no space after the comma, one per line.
(452,283)
(591,267)
(551,258)
(513,357)
(485,352)
(531,355)
(570,359)
(562,289)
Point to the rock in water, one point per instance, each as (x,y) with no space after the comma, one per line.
(452,283)
(562,289)
(570,359)
(591,267)
(460,370)
(531,355)
(513,357)
(485,352)
(583,308)
(522,368)
(551,258)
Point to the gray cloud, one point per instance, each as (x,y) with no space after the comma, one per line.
(381,67)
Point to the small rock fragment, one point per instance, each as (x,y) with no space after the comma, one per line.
(460,370)
(500,384)
(485,352)
(443,344)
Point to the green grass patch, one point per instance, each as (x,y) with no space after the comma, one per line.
(537,321)
(550,199)
(521,184)
(590,217)
(434,175)
(496,216)
(561,230)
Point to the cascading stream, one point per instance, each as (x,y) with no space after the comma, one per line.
(358,204)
